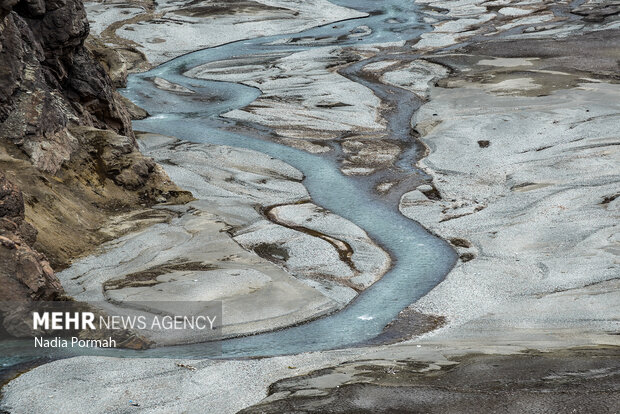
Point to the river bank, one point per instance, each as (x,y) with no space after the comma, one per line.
(530,204)
(290,264)
(195,116)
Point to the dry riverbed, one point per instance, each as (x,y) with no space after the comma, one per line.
(521,144)
(252,240)
(147,33)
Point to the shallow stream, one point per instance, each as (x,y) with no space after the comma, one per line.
(420,260)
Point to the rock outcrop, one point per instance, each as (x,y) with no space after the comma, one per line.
(68,156)
(25,273)
(51,80)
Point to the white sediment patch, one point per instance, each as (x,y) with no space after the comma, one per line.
(166,85)
(507,62)
(531,201)
(514,11)
(463,18)
(166,34)
(101,15)
(416,76)
(467,18)
(537,19)
(369,261)
(517,85)
(301,98)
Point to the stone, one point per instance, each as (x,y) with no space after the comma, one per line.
(67,141)
(25,274)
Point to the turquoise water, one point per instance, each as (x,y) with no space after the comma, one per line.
(420,260)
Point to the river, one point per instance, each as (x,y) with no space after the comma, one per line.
(419,260)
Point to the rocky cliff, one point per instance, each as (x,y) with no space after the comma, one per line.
(68,156)
(25,273)
(49,80)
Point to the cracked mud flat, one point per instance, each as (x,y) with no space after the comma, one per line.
(534,186)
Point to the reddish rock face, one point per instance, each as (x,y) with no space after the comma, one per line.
(25,274)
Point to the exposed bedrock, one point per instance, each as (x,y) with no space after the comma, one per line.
(25,274)
(51,81)
(66,142)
